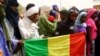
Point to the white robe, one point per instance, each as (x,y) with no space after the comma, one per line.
(28,29)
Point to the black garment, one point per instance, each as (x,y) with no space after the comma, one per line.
(97,41)
(97,46)
(12,16)
(65,27)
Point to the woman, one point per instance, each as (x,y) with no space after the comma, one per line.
(91,31)
(46,26)
(67,26)
(55,13)
(63,15)
(80,23)
(54,10)
(28,25)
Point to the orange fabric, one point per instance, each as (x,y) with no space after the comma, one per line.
(77,44)
(1,54)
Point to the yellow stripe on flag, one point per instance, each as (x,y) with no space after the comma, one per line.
(59,46)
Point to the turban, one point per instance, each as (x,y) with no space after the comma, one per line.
(32,11)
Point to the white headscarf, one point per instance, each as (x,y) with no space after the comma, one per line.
(32,11)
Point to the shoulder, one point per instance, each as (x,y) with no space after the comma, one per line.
(84,24)
(89,22)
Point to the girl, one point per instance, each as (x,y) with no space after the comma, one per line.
(80,25)
(67,26)
(91,30)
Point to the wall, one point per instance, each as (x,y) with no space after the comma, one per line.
(61,3)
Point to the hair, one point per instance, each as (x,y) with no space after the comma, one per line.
(29,6)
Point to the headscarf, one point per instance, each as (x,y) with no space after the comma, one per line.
(55,7)
(91,23)
(69,12)
(11,15)
(90,12)
(74,8)
(66,26)
(63,14)
(32,11)
(54,10)
(78,22)
(53,13)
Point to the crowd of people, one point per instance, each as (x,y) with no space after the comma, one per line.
(43,22)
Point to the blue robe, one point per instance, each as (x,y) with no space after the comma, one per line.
(3,45)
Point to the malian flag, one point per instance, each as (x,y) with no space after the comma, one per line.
(66,45)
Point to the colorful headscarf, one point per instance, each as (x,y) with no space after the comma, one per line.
(91,23)
(77,22)
(90,12)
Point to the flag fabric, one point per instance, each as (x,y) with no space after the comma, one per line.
(67,45)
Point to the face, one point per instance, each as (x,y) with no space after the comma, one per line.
(34,17)
(73,15)
(83,18)
(62,16)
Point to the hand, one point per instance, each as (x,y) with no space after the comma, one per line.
(20,42)
(18,47)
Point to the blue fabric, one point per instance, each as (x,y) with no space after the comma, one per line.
(3,45)
(55,7)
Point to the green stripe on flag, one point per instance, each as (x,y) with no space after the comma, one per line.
(36,47)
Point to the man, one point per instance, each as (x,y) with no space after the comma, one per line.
(28,25)
(10,24)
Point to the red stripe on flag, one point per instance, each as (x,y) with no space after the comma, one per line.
(77,44)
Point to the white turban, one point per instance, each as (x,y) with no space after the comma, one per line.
(32,11)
